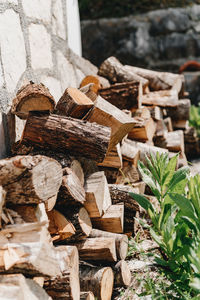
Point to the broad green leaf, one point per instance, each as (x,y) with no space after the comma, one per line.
(178,176)
(157,238)
(143,201)
(169,171)
(191,224)
(194,192)
(152,169)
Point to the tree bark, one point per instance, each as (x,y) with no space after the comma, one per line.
(122,274)
(165,98)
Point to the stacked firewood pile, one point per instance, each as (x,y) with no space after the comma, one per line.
(65,206)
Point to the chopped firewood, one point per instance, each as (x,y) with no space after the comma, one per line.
(32,97)
(173,141)
(180,124)
(17,287)
(124,95)
(113,158)
(112,220)
(39,280)
(87,296)
(31,179)
(98,280)
(59,227)
(156,112)
(92,79)
(142,112)
(140,186)
(143,130)
(98,249)
(110,173)
(109,115)
(128,174)
(71,190)
(66,134)
(161,127)
(181,112)
(2,201)
(121,241)
(88,91)
(130,152)
(122,274)
(168,123)
(165,98)
(73,103)
(112,69)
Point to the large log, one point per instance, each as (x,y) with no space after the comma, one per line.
(124,95)
(32,97)
(98,280)
(143,130)
(122,274)
(121,241)
(165,98)
(112,220)
(64,134)
(73,103)
(97,249)
(109,115)
(181,112)
(97,194)
(112,69)
(17,287)
(31,179)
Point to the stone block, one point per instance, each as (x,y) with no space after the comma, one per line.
(39,9)
(13,52)
(58,26)
(53,85)
(40,45)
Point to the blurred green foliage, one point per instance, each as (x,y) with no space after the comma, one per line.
(94,9)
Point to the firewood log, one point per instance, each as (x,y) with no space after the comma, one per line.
(112,220)
(113,158)
(91,79)
(156,112)
(130,152)
(168,123)
(173,141)
(181,112)
(165,98)
(64,134)
(98,280)
(112,69)
(142,112)
(180,124)
(73,103)
(161,127)
(121,241)
(122,274)
(2,201)
(87,296)
(109,115)
(17,287)
(32,97)
(97,249)
(89,92)
(124,95)
(31,179)
(128,174)
(65,286)
(143,130)
(110,173)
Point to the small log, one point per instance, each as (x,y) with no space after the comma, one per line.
(17,287)
(159,80)
(113,158)
(110,173)
(71,190)
(97,194)
(73,103)
(180,124)
(59,227)
(128,174)
(75,136)
(39,280)
(87,296)
(142,112)
(168,124)
(88,91)
(130,152)
(112,220)
(109,115)
(32,97)
(112,69)
(31,213)
(165,98)
(31,179)
(156,112)
(97,249)
(143,130)
(181,112)
(161,128)
(173,141)
(124,95)
(121,241)
(140,186)
(96,84)
(122,274)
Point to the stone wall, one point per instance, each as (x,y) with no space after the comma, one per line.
(33,46)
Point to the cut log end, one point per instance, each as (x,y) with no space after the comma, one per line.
(107,284)
(84,221)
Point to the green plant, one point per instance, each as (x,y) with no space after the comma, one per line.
(195,118)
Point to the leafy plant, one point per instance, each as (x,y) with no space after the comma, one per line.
(195,118)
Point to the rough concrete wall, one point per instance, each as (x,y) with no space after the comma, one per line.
(33,46)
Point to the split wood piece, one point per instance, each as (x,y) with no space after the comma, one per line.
(121,193)
(97,194)
(140,185)
(97,249)
(89,166)
(59,227)
(79,218)
(112,220)
(121,241)
(109,115)
(73,103)
(65,286)
(71,190)
(165,98)
(173,141)
(39,280)
(181,112)
(168,123)
(2,201)
(91,79)
(145,149)
(112,69)
(98,280)
(124,95)
(110,173)
(182,160)
(31,179)
(143,130)
(180,124)
(128,174)
(87,296)
(113,158)
(122,274)
(64,134)
(156,112)
(17,287)
(88,91)
(32,97)
(142,112)
(159,80)
(161,128)
(130,152)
